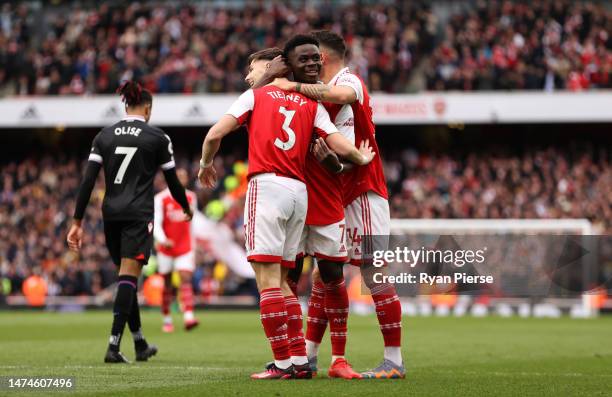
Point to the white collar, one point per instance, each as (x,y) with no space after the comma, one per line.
(337,76)
(132,117)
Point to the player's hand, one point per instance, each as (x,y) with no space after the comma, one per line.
(188,217)
(208,176)
(326,156)
(167,244)
(277,67)
(321,150)
(366,151)
(283,84)
(75,237)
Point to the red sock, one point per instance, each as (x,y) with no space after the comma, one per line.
(317,320)
(389,313)
(187,296)
(274,320)
(297,345)
(167,295)
(336,310)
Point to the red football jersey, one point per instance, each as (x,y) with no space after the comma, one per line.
(369,177)
(280,126)
(170,223)
(325,204)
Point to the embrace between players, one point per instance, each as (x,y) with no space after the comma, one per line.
(310,202)
(316,187)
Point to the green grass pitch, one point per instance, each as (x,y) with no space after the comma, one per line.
(444,357)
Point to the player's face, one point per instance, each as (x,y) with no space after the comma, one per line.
(257,69)
(305,63)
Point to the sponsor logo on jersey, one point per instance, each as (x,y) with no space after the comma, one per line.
(349,122)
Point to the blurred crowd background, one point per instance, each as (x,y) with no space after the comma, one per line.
(76,48)
(88,47)
(37,198)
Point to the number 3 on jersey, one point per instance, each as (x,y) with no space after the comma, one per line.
(129,154)
(290,142)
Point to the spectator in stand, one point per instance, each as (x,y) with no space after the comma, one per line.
(199,47)
(36,195)
(525,45)
(540,184)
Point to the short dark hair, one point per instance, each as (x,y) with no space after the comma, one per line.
(298,40)
(331,40)
(133,94)
(266,54)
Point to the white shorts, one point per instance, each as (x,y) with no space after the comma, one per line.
(367,215)
(166,264)
(325,242)
(274,216)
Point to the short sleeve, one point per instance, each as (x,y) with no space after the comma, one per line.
(165,153)
(322,124)
(95,154)
(243,106)
(350,80)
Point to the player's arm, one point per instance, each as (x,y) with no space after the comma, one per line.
(194,207)
(338,143)
(165,156)
(75,235)
(230,121)
(340,94)
(344,148)
(158,218)
(207,174)
(178,192)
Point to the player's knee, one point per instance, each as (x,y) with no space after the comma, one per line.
(185,277)
(285,288)
(330,271)
(130,267)
(268,275)
(368,274)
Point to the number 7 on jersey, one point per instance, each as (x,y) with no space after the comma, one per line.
(129,154)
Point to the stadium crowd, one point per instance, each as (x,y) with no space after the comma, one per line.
(195,47)
(37,200)
(395,46)
(516,45)
(539,184)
